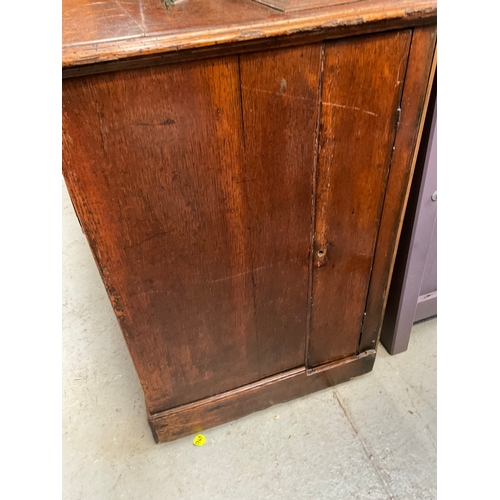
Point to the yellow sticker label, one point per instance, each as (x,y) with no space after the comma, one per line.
(199,440)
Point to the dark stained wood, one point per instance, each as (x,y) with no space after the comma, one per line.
(217,25)
(243,46)
(153,160)
(155,19)
(280,101)
(243,204)
(196,417)
(420,72)
(204,245)
(90,21)
(359,111)
(300,5)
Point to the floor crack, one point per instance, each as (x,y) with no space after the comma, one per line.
(365,449)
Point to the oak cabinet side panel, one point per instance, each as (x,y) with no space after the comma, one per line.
(280,104)
(362,84)
(154,164)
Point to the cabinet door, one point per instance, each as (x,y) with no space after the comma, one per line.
(360,96)
(193,183)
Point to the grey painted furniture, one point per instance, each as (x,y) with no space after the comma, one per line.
(413,292)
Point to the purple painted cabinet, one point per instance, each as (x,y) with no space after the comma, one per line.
(413,291)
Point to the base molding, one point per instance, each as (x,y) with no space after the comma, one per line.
(195,417)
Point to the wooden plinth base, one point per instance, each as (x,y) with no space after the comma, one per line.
(195,417)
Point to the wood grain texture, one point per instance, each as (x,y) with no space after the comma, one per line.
(158,183)
(196,417)
(155,19)
(203,243)
(217,25)
(242,46)
(355,145)
(300,5)
(416,92)
(280,103)
(233,203)
(105,21)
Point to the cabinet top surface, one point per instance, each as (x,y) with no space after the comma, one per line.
(111,30)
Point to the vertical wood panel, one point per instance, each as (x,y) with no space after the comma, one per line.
(360,98)
(202,243)
(280,101)
(413,106)
(416,232)
(153,161)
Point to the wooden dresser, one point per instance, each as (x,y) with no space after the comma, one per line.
(240,169)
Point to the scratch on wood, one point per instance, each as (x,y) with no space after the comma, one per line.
(168,121)
(153,236)
(349,107)
(324,204)
(403,61)
(239,274)
(280,93)
(249,34)
(149,292)
(283,86)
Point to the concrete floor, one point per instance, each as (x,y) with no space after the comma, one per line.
(371,438)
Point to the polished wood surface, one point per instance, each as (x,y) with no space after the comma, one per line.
(355,145)
(243,202)
(279,103)
(159,186)
(85,21)
(300,5)
(101,33)
(198,210)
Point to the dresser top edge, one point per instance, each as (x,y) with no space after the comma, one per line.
(129,40)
